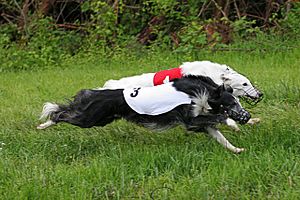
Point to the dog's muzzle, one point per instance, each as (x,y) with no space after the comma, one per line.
(242,116)
(250,99)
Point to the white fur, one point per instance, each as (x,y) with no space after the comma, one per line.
(143,80)
(48,108)
(218,73)
(232,124)
(205,68)
(216,134)
(201,105)
(253,121)
(46,124)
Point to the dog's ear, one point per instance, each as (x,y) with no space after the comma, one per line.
(220,90)
(225,78)
(213,103)
(228,88)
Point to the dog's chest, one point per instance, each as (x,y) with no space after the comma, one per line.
(155,100)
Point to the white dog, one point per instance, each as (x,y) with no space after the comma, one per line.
(220,74)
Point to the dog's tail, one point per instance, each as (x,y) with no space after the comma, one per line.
(48,110)
(88,108)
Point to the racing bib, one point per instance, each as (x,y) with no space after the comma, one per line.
(155,100)
(165,76)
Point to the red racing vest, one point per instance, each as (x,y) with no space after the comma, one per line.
(165,76)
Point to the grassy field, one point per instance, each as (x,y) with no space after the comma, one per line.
(124,161)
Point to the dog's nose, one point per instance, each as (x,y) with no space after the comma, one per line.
(244,116)
(260,94)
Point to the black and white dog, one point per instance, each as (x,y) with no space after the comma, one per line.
(193,101)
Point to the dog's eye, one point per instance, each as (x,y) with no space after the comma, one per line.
(245,84)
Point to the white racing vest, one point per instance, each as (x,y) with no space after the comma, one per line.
(155,100)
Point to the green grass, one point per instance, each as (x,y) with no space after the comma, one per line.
(124,161)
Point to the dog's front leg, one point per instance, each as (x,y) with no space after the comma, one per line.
(215,133)
(232,124)
(253,121)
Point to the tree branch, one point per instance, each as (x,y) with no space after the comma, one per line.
(237,9)
(219,8)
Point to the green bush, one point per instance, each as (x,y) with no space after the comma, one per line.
(114,28)
(290,24)
(192,37)
(44,45)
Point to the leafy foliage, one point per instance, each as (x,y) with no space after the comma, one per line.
(45,45)
(290,22)
(30,40)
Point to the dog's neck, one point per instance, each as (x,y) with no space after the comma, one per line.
(201,106)
(201,90)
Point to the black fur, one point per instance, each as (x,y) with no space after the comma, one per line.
(219,96)
(100,107)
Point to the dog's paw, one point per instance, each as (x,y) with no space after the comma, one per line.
(236,129)
(239,150)
(253,121)
(41,126)
(232,124)
(45,125)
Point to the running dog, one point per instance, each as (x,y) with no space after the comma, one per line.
(220,74)
(192,101)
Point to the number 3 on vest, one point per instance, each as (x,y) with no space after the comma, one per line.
(135,92)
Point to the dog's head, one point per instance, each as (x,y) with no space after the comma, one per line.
(223,101)
(242,87)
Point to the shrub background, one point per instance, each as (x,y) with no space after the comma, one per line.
(36,34)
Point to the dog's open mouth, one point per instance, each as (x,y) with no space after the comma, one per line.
(250,98)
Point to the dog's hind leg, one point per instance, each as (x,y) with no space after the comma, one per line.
(46,124)
(215,133)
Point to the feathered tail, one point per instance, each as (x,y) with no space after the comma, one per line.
(48,109)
